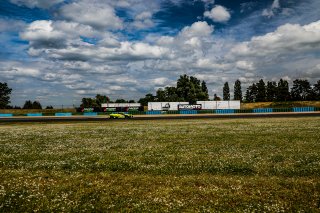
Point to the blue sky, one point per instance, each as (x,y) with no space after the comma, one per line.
(59,51)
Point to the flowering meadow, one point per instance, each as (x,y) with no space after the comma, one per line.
(204,165)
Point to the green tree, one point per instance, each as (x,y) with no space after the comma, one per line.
(88,103)
(148,98)
(204,96)
(191,89)
(5,92)
(101,99)
(28,105)
(121,101)
(237,90)
(251,93)
(161,95)
(261,91)
(171,94)
(301,90)
(36,105)
(226,92)
(283,93)
(271,91)
(188,88)
(216,98)
(316,89)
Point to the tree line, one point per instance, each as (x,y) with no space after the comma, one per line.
(190,89)
(100,99)
(273,91)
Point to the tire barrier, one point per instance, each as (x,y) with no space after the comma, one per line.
(34,114)
(263,110)
(6,115)
(188,112)
(63,114)
(304,109)
(90,113)
(156,112)
(224,111)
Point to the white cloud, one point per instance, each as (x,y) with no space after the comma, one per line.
(11,25)
(245,65)
(287,39)
(125,52)
(47,34)
(275,4)
(272,10)
(208,1)
(143,20)
(92,13)
(36,3)
(207,64)
(218,14)
(197,29)
(43,34)
(16,70)
(160,81)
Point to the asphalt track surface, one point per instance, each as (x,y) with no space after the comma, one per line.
(45,119)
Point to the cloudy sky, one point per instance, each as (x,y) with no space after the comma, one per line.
(59,51)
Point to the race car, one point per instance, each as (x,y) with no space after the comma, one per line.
(120,115)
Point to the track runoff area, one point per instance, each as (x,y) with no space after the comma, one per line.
(104,118)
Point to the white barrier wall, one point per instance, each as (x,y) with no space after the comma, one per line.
(208,104)
(114,105)
(164,105)
(234,105)
(219,104)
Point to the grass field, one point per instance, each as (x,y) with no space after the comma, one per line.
(240,165)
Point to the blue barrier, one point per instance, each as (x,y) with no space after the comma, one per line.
(225,111)
(6,115)
(63,114)
(263,110)
(156,112)
(189,112)
(304,109)
(34,114)
(90,113)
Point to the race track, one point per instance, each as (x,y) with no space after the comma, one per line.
(156,117)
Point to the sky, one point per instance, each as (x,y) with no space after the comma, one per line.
(59,51)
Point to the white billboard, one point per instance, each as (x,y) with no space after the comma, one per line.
(219,104)
(222,104)
(234,105)
(115,105)
(208,104)
(164,106)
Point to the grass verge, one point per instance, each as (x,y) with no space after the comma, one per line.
(269,165)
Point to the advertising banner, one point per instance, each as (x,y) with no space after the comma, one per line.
(219,104)
(164,106)
(189,107)
(114,105)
